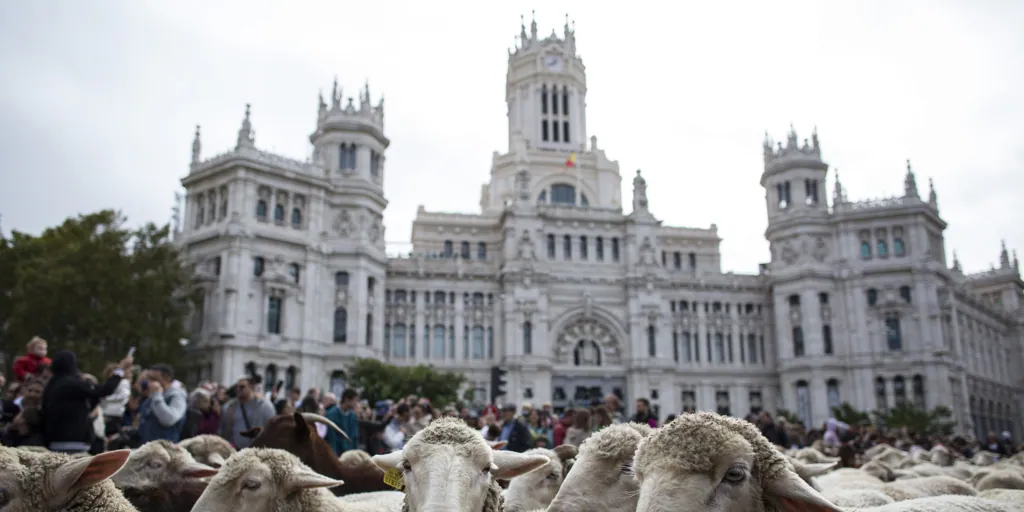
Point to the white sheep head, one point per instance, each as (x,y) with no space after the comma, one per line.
(266,480)
(709,462)
(38,482)
(601,479)
(209,449)
(160,461)
(536,489)
(449,467)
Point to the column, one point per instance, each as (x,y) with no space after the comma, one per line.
(423,332)
(460,329)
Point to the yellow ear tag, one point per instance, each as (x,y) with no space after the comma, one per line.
(393,478)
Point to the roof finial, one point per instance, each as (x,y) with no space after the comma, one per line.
(910,182)
(956,262)
(246,137)
(196,147)
(533,26)
(1004,256)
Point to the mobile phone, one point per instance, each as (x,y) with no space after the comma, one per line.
(131,352)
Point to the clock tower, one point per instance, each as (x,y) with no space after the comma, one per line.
(546,91)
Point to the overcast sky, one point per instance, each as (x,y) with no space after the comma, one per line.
(99,100)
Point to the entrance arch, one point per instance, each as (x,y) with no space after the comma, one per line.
(587,342)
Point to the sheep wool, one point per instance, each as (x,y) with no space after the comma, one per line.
(31,468)
(927,486)
(952,503)
(704,433)
(282,464)
(203,446)
(617,442)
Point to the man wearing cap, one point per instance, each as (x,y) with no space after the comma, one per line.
(514,431)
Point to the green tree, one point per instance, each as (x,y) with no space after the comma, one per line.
(846,413)
(377,380)
(791,417)
(916,419)
(95,287)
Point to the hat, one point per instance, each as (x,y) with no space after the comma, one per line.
(509,407)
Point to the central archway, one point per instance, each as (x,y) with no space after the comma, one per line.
(587,342)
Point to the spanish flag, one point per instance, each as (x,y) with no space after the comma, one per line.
(571,162)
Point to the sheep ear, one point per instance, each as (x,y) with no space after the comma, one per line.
(251,433)
(388,461)
(817,469)
(566,452)
(78,474)
(197,470)
(790,491)
(512,464)
(301,427)
(497,445)
(310,480)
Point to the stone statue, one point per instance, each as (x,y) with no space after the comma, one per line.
(589,353)
(526,251)
(519,148)
(343,224)
(639,192)
(646,252)
(374,230)
(277,271)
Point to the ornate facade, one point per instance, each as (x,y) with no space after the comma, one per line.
(555,282)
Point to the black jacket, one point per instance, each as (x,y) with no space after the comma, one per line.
(67,401)
(520,439)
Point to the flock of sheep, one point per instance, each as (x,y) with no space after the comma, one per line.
(699,462)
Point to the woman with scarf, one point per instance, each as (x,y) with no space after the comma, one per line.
(69,399)
(831,437)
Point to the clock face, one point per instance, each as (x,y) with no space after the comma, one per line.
(553,63)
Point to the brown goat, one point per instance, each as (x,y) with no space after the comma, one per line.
(297,434)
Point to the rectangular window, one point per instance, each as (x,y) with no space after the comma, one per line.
(565,103)
(374,164)
(274,315)
(599,248)
(551,247)
(554,131)
(677,260)
(675,346)
(893,336)
(565,131)
(615,250)
(583,248)
(693,261)
(719,348)
(752,348)
(544,130)
(369,330)
(687,348)
(696,347)
(567,247)
(544,100)
(826,339)
(798,341)
(905,293)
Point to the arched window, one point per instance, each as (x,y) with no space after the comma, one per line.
(398,341)
(290,376)
(481,251)
(274,307)
(340,325)
(369,329)
(543,197)
(882,248)
(562,193)
(296,218)
(899,390)
(917,387)
(341,279)
(587,353)
(293,270)
(257,266)
(832,392)
(449,249)
(478,342)
(898,249)
(261,210)
(490,343)
(872,296)
(464,250)
(893,336)
(279,213)
(270,377)
(803,402)
(880,394)
(652,341)
(337,382)
(865,250)
(250,369)
(438,347)
(527,338)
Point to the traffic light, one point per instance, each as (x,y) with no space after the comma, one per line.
(497,383)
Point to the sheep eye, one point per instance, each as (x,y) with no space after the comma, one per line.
(251,485)
(553,476)
(155,464)
(406,466)
(735,475)
(487,469)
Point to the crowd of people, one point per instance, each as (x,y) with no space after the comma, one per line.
(50,403)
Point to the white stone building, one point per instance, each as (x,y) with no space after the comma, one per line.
(553,281)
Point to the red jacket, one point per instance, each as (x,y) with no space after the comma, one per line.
(27,364)
(558,432)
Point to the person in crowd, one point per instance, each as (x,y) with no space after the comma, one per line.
(209,411)
(600,418)
(492,433)
(997,446)
(580,429)
(538,428)
(419,419)
(113,406)
(162,413)
(396,432)
(309,404)
(35,355)
(775,433)
(44,372)
(245,412)
(644,414)
(3,381)
(25,427)
(561,426)
(672,417)
(99,439)
(514,430)
(67,401)
(344,416)
(613,406)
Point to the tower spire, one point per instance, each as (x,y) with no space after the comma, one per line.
(1004,256)
(533,26)
(335,95)
(837,192)
(522,32)
(1016,262)
(246,137)
(956,263)
(910,182)
(933,199)
(196,148)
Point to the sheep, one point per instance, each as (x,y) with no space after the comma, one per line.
(209,449)
(601,479)
(998,478)
(927,486)
(1008,495)
(855,498)
(707,461)
(38,482)
(808,471)
(171,496)
(536,489)
(941,456)
(448,466)
(160,461)
(951,503)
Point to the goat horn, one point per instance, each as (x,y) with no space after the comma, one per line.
(309,416)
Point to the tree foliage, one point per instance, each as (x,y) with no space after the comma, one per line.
(791,417)
(846,413)
(377,380)
(97,288)
(916,419)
